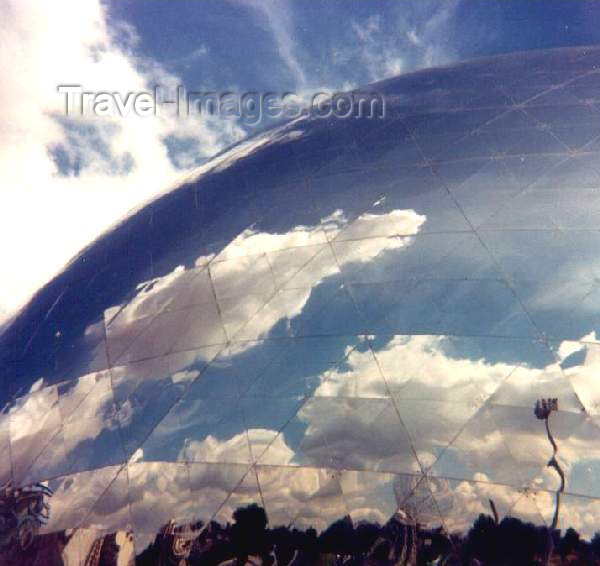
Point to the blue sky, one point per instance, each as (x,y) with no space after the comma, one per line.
(216,44)
(64,181)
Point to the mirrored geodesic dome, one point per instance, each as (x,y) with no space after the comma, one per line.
(358,318)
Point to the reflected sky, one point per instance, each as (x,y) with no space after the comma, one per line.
(348,317)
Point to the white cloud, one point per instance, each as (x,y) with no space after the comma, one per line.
(260,278)
(237,449)
(299,270)
(114,163)
(421,360)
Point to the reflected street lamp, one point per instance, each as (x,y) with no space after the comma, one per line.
(542,410)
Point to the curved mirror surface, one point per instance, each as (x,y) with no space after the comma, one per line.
(358,318)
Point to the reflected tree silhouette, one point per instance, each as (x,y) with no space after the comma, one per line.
(249,541)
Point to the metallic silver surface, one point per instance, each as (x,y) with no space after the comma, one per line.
(337,317)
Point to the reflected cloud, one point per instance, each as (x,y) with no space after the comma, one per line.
(331,321)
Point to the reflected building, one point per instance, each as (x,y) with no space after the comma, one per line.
(335,318)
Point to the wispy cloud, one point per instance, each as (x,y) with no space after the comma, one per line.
(278,18)
(413,38)
(195,55)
